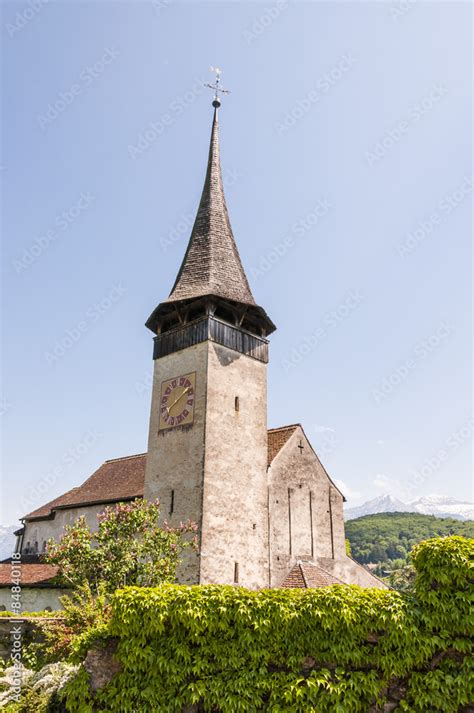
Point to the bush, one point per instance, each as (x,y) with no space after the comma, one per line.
(58,640)
(41,692)
(128,548)
(339,648)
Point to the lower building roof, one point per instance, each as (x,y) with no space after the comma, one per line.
(31,575)
(307,575)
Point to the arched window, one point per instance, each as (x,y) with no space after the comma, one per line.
(36,547)
(27,548)
(43,549)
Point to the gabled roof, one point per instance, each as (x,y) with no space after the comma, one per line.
(116,480)
(307,575)
(277,437)
(124,479)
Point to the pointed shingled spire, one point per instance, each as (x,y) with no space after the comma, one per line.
(211,265)
(211,271)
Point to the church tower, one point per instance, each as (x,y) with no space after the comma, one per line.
(207,448)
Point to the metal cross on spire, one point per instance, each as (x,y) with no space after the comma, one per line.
(217,87)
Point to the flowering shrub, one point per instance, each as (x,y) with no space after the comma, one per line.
(40,691)
(129,548)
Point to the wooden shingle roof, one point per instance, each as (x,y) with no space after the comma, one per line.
(212,267)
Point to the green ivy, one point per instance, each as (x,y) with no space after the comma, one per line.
(339,649)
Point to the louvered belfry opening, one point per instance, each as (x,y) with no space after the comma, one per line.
(211,288)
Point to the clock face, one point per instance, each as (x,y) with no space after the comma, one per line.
(177,401)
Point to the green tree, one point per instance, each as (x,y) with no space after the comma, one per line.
(377,554)
(128,548)
(386,537)
(403,578)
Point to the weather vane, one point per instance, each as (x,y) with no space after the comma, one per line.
(217,87)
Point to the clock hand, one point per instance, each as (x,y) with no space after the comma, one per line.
(178,399)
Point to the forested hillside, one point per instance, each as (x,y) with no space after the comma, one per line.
(386,539)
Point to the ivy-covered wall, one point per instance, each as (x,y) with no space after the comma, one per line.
(338,649)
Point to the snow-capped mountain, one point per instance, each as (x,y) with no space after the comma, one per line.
(383,503)
(7,540)
(443,506)
(439,505)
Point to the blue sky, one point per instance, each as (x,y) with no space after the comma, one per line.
(346,152)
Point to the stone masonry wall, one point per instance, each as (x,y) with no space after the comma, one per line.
(23,627)
(175,458)
(41,530)
(306,510)
(216,467)
(33,598)
(235,521)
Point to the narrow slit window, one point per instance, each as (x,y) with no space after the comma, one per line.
(236,572)
(237,403)
(172,502)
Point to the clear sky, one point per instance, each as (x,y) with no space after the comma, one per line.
(346,152)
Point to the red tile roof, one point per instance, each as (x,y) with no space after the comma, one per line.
(277,437)
(115,480)
(31,574)
(124,478)
(307,575)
